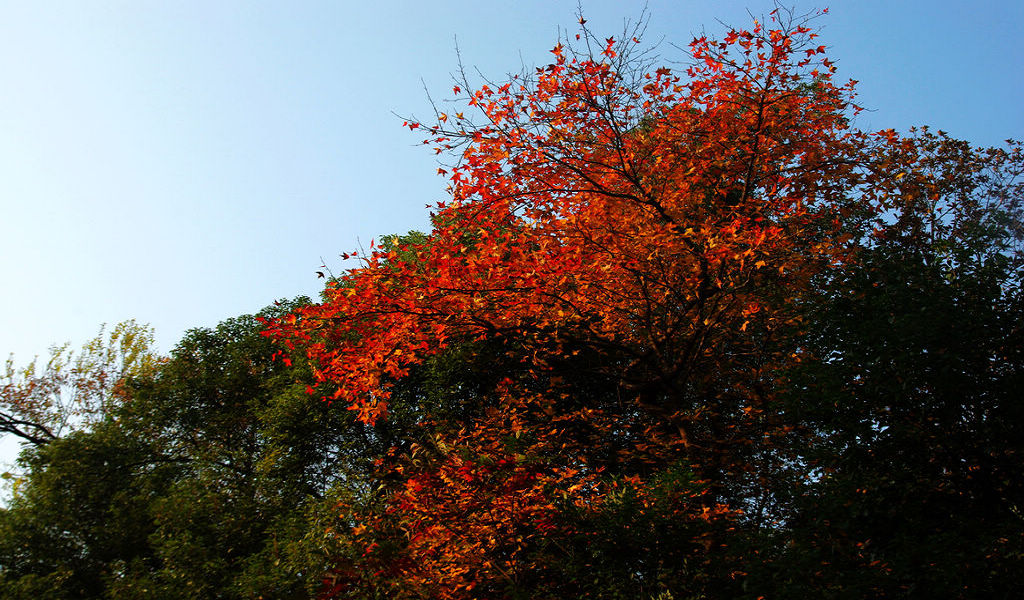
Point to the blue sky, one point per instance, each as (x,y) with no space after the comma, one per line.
(184,162)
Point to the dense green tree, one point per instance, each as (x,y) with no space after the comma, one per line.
(909,390)
(211,479)
(83,510)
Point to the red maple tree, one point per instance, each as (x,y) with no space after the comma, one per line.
(609,222)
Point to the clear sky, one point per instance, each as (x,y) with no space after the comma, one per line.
(184,162)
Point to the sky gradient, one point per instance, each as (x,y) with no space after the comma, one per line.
(184,162)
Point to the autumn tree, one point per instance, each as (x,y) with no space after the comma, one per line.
(73,390)
(630,245)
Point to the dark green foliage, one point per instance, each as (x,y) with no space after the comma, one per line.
(208,482)
(910,401)
(84,509)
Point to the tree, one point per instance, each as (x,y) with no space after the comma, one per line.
(81,514)
(207,479)
(908,386)
(73,391)
(628,248)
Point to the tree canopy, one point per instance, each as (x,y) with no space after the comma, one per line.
(206,481)
(677,332)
